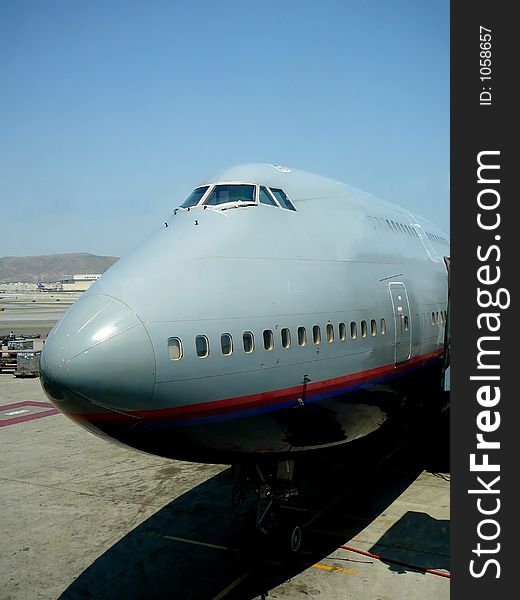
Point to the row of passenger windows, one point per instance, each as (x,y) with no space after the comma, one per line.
(397,227)
(436,318)
(215,195)
(437,239)
(202,345)
(389,225)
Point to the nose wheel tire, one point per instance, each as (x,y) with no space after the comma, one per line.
(295,538)
(284,537)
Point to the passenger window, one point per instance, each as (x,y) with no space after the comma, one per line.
(265,197)
(248,341)
(174,348)
(383,327)
(226,343)
(194,198)
(363,328)
(330,332)
(222,194)
(302,336)
(342,332)
(202,346)
(353,330)
(268,339)
(373,327)
(281,196)
(316,334)
(286,338)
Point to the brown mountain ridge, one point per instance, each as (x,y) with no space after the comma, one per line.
(51,267)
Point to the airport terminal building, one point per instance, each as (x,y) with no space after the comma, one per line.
(77,283)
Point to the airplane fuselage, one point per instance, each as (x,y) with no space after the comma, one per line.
(248,329)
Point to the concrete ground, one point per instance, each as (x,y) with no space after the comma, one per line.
(83,518)
(33,313)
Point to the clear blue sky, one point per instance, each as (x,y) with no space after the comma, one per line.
(111,111)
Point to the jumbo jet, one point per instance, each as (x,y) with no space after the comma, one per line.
(274,314)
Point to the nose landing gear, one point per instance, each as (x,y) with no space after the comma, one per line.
(274,488)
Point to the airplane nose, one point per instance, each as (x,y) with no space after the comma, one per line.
(98,363)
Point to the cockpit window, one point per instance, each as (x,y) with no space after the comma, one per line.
(282,199)
(194,198)
(265,197)
(222,194)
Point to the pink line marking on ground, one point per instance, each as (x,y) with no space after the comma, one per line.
(25,403)
(23,418)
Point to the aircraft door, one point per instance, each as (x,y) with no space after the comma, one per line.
(402,322)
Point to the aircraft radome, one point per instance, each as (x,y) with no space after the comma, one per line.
(277,312)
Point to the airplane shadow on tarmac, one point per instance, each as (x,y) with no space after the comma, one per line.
(162,559)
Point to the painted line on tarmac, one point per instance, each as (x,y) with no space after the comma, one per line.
(330,569)
(197,543)
(233,585)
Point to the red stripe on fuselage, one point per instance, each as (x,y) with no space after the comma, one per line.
(269,398)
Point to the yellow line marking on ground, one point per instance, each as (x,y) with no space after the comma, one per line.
(384,521)
(354,572)
(233,585)
(196,543)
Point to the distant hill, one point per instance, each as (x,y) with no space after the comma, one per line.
(52,267)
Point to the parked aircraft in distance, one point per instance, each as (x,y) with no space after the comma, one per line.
(277,313)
